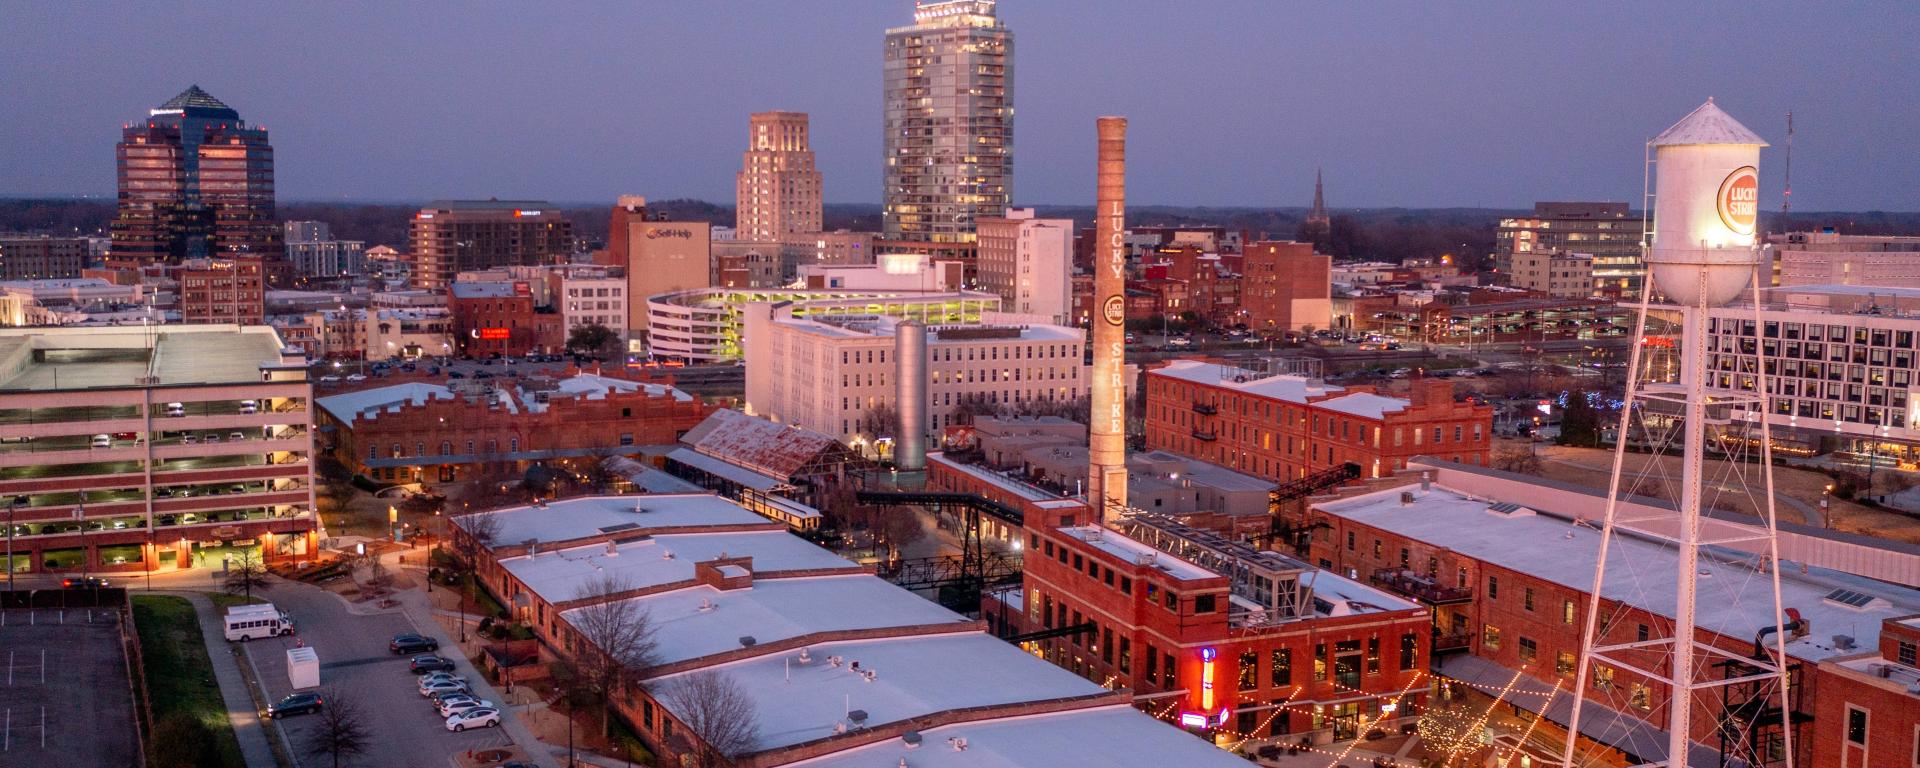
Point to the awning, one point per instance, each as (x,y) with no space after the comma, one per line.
(1641,740)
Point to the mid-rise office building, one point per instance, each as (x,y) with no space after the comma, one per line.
(38,257)
(454,236)
(589,295)
(777,192)
(501,318)
(1028,261)
(1830,258)
(659,256)
(195,181)
(1286,287)
(130,448)
(836,374)
(313,252)
(1555,273)
(1607,231)
(948,122)
(225,290)
(707,325)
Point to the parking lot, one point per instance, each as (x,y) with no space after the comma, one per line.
(355,662)
(64,695)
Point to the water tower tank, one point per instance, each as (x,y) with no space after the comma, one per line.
(1706,208)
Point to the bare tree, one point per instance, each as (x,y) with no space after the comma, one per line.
(615,645)
(1513,458)
(478,530)
(343,732)
(379,580)
(246,576)
(717,711)
(493,484)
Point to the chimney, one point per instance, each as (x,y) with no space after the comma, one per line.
(1106,434)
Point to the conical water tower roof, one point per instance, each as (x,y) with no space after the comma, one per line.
(1707,124)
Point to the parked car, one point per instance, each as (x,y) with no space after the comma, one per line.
(356,378)
(479,717)
(456,375)
(211,438)
(329,379)
(176,409)
(236,436)
(190,440)
(421,665)
(432,687)
(295,704)
(409,643)
(451,707)
(440,699)
(1179,341)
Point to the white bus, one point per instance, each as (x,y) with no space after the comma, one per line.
(246,622)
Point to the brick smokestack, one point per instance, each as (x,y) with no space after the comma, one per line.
(1106,435)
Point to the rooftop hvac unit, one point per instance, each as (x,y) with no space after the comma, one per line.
(1843,642)
(857,717)
(912,740)
(613,550)
(747,641)
(1406,498)
(1094,535)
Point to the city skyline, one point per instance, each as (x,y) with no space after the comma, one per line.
(1403,106)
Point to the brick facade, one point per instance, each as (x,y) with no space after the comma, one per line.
(1283,440)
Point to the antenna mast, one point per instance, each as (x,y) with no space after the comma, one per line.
(1786,195)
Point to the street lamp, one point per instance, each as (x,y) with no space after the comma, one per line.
(11,504)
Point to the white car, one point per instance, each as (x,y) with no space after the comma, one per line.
(1179,341)
(457,704)
(478,717)
(356,377)
(329,379)
(448,685)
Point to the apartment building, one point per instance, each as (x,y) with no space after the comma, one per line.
(1555,273)
(223,290)
(1028,261)
(128,448)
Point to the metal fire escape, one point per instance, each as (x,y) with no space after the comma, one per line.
(958,579)
(1292,528)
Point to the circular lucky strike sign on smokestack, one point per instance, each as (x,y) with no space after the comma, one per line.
(1739,200)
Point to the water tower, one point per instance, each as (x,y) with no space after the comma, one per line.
(1702,256)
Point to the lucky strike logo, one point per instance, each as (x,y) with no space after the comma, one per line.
(1739,200)
(1115,311)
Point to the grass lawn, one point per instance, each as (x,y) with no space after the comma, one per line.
(222,601)
(179,674)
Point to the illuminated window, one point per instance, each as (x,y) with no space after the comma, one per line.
(1490,638)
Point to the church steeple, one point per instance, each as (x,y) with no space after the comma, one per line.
(1317,215)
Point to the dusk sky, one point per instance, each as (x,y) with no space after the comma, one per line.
(1417,104)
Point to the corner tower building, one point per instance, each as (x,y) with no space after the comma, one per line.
(948,121)
(777,192)
(194,180)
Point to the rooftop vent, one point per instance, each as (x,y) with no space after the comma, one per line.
(804,657)
(613,550)
(706,605)
(639,508)
(1406,498)
(959,743)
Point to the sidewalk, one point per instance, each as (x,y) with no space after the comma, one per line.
(241,709)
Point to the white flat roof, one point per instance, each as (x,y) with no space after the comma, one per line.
(1292,389)
(1365,404)
(1128,550)
(571,519)
(1100,737)
(1349,597)
(349,406)
(561,574)
(778,609)
(998,480)
(913,676)
(1734,599)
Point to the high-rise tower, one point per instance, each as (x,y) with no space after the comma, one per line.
(195,180)
(948,121)
(777,192)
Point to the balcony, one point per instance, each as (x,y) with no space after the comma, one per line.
(1452,642)
(1205,409)
(1408,584)
(1205,435)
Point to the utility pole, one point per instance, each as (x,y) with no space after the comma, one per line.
(11,504)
